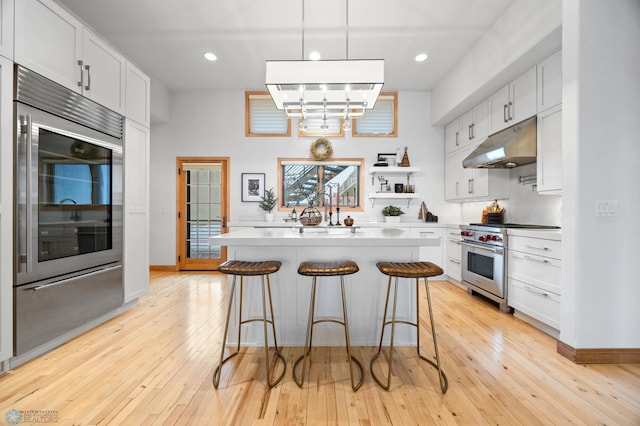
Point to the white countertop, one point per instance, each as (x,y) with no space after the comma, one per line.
(361,224)
(400,236)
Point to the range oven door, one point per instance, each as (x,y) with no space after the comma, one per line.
(483,267)
(68,196)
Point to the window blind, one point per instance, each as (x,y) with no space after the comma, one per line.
(264,118)
(379,120)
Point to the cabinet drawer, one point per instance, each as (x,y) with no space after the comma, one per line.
(535,302)
(538,246)
(453,269)
(454,250)
(543,272)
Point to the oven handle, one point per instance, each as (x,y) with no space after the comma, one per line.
(68,280)
(496,250)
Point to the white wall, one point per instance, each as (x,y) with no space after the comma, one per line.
(601,150)
(211,123)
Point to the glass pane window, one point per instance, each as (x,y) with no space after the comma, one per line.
(262,118)
(382,120)
(323,184)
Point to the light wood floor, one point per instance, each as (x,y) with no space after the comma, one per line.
(153,365)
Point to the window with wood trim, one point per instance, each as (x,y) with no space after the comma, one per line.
(313,127)
(262,118)
(325,183)
(381,121)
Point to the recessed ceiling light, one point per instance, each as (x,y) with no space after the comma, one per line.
(314,56)
(210,56)
(421,57)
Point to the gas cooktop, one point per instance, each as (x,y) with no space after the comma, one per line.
(514,225)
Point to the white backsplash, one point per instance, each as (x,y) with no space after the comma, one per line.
(524,205)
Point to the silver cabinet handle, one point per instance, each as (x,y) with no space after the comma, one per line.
(510,110)
(68,280)
(473,131)
(454,261)
(537,248)
(531,290)
(457,142)
(471,186)
(470,137)
(535,259)
(81,82)
(88,86)
(504,112)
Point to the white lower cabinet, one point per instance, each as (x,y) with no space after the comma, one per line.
(534,286)
(453,253)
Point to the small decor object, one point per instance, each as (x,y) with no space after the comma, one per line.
(321,149)
(348,221)
(493,214)
(392,213)
(405,159)
(310,216)
(425,215)
(267,203)
(398,188)
(252,187)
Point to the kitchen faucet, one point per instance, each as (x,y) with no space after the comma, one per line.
(75,214)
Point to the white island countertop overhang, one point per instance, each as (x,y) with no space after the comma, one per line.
(291,292)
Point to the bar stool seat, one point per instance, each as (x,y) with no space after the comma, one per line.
(412,270)
(327,269)
(243,268)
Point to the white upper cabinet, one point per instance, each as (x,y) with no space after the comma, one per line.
(6,28)
(452,136)
(513,103)
(103,72)
(549,164)
(51,42)
(473,184)
(473,125)
(138,96)
(550,82)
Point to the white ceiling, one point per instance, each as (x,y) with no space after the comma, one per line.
(167,38)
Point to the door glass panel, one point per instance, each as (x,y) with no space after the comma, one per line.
(481,265)
(203,209)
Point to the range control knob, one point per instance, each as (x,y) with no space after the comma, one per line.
(482,238)
(494,237)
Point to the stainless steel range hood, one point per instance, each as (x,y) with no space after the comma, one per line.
(512,147)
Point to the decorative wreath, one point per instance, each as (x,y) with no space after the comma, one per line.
(321,149)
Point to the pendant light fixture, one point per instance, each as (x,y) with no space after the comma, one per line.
(328,90)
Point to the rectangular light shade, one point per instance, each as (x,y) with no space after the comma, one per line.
(359,80)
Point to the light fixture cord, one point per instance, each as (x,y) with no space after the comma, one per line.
(347,30)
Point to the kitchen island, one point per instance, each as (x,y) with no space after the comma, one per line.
(291,292)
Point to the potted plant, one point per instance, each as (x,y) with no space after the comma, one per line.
(392,213)
(267,204)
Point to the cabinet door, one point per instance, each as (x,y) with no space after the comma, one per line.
(137,94)
(452,136)
(522,97)
(453,173)
(466,128)
(136,211)
(103,73)
(48,40)
(6,28)
(480,129)
(550,82)
(6,209)
(549,151)
(498,110)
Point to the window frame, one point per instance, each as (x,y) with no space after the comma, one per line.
(394,134)
(247,115)
(350,161)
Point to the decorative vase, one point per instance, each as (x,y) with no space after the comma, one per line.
(269,217)
(348,221)
(405,159)
(310,216)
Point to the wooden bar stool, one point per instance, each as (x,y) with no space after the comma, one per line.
(242,269)
(415,270)
(332,269)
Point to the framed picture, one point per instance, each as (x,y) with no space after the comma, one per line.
(252,187)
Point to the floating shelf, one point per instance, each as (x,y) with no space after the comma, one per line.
(393,169)
(393,196)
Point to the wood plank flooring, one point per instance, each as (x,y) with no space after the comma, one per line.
(153,366)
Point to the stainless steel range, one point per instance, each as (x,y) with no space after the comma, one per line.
(483,259)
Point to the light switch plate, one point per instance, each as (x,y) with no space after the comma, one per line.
(606,207)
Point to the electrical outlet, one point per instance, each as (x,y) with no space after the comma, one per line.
(606,207)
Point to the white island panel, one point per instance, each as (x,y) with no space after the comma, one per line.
(291,292)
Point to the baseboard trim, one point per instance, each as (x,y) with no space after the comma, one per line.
(599,356)
(164,268)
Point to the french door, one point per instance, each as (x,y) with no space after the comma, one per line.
(203,199)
